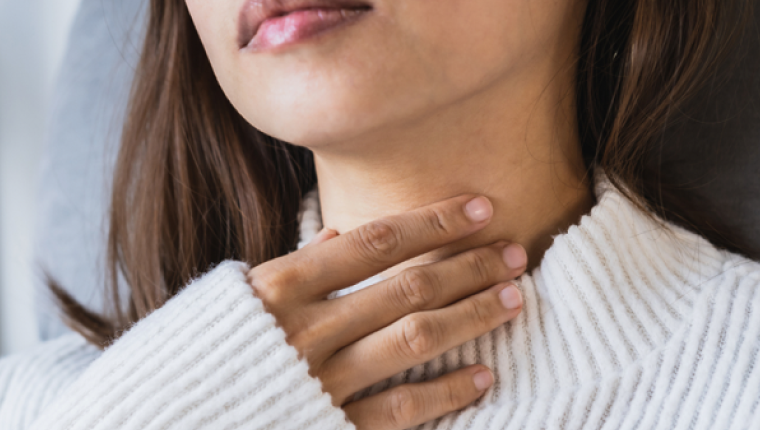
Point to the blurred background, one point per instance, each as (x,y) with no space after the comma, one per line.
(33,36)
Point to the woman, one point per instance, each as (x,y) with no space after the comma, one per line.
(453,143)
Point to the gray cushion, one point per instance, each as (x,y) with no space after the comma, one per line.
(713,149)
(88,108)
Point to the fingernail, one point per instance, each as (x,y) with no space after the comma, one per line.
(482,380)
(510,297)
(515,256)
(478,209)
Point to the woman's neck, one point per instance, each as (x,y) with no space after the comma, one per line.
(517,146)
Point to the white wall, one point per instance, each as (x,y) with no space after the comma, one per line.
(32,41)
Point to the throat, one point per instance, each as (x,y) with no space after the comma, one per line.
(532,204)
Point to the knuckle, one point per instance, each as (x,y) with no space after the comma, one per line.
(299,334)
(480,313)
(436,221)
(333,381)
(451,397)
(270,285)
(401,407)
(418,337)
(378,239)
(481,264)
(414,289)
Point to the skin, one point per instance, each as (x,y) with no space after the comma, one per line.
(416,103)
(355,341)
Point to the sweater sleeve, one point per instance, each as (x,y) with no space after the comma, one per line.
(210,358)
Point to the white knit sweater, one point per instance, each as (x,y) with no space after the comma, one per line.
(625,325)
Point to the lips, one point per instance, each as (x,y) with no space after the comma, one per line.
(268,23)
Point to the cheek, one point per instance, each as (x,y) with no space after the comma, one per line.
(215,23)
(202,13)
(464,44)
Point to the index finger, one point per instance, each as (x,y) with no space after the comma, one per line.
(378,245)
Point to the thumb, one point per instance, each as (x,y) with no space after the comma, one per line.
(323,236)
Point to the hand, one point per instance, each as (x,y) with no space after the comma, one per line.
(362,338)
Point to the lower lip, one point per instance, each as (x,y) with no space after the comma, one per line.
(299,26)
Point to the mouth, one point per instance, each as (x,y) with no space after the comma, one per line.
(269,24)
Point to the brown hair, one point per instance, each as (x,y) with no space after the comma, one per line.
(195,184)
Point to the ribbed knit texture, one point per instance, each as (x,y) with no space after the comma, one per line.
(626,324)
(211,358)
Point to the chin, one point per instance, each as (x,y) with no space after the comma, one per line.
(319,122)
(313,130)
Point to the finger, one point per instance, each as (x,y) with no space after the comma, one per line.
(409,405)
(323,236)
(418,338)
(378,245)
(420,288)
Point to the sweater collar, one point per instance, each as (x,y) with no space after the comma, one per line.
(621,281)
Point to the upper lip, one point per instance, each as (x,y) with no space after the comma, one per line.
(255,12)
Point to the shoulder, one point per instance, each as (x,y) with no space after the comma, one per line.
(737,274)
(726,315)
(720,350)
(31,380)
